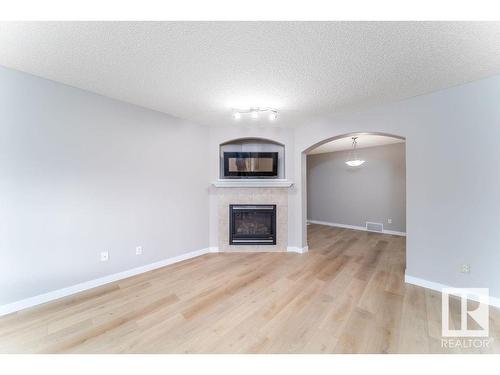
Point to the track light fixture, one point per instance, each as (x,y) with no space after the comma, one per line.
(254,113)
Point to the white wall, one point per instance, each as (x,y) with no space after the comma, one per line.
(452,176)
(375,191)
(80,174)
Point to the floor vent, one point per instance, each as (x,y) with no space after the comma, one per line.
(374,227)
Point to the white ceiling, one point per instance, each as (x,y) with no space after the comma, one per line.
(363,140)
(199,70)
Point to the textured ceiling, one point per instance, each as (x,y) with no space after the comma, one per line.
(364,140)
(199,70)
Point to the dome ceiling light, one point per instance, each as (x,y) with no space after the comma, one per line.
(255,112)
(354,160)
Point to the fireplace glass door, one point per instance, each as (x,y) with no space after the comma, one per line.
(252,224)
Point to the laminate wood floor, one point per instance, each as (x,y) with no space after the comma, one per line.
(347,295)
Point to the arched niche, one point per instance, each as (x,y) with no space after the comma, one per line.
(252,144)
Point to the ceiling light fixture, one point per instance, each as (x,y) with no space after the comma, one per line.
(354,160)
(254,113)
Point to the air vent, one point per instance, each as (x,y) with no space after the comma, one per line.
(374,227)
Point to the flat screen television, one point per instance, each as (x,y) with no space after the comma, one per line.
(250,164)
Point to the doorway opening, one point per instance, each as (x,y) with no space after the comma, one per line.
(356,181)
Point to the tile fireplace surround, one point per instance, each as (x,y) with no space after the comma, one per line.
(252,195)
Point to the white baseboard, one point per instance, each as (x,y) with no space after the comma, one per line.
(300,250)
(213,249)
(355,227)
(493,301)
(64,292)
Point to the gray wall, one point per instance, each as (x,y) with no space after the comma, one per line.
(375,191)
(452,178)
(80,174)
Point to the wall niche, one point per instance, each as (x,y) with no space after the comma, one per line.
(251,158)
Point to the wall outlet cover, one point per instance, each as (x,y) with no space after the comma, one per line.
(138,250)
(104,256)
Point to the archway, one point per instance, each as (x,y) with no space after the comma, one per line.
(303,161)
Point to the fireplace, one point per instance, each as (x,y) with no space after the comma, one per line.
(252,224)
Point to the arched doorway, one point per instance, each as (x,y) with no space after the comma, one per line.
(318,144)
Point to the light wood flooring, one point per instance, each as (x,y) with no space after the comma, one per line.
(347,295)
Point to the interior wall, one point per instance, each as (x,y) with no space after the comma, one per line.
(375,191)
(452,178)
(81,174)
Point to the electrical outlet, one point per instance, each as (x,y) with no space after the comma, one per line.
(138,250)
(104,256)
(389,221)
(465,268)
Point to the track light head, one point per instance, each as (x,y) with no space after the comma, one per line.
(254,113)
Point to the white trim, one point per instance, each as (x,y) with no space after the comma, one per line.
(295,249)
(493,301)
(213,249)
(395,233)
(249,183)
(355,227)
(64,292)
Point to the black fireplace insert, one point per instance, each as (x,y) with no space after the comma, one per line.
(252,224)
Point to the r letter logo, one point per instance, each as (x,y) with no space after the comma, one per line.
(480,315)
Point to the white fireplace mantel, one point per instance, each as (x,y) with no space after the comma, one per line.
(253,183)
